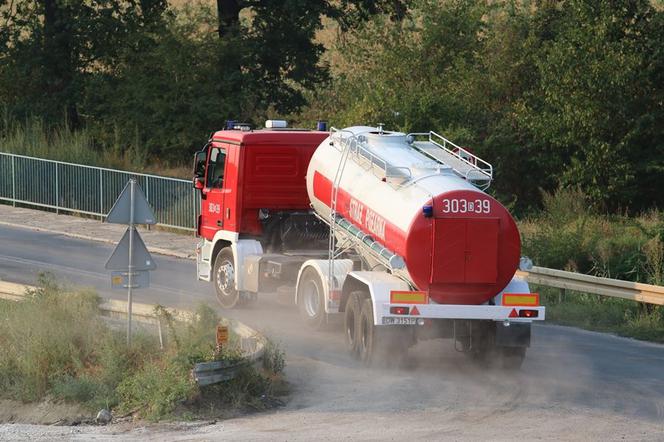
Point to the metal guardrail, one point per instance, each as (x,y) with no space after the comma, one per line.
(635,291)
(251,343)
(93,190)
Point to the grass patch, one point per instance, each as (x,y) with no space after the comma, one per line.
(600,313)
(569,234)
(55,345)
(34,138)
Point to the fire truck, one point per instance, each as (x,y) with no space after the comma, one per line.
(393,231)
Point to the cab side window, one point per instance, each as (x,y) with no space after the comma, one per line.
(215,175)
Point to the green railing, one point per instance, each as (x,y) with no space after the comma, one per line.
(91,190)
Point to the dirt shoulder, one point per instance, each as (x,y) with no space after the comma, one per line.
(43,413)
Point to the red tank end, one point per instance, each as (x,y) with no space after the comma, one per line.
(466,252)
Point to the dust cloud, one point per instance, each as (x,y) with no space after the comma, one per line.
(431,376)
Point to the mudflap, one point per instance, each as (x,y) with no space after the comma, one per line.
(513,334)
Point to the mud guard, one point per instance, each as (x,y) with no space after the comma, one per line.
(516,334)
(341,269)
(379,286)
(242,249)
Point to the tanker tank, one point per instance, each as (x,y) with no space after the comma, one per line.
(458,243)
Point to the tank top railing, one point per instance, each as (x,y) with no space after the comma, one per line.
(464,163)
(368,159)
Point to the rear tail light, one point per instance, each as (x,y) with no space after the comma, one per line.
(399,310)
(528,313)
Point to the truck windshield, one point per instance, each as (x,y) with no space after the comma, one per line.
(215,174)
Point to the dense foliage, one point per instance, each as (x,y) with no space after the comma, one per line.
(553,93)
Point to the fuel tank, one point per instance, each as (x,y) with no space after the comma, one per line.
(458,243)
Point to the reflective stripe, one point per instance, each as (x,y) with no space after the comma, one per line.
(521,299)
(408,297)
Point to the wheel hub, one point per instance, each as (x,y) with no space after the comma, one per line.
(226,277)
(311,300)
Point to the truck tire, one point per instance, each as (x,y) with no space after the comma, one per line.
(311,299)
(512,357)
(352,322)
(487,354)
(483,344)
(385,345)
(224,279)
(366,333)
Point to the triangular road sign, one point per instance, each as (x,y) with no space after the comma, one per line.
(141,259)
(119,213)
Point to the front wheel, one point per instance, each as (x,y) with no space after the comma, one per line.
(224,279)
(311,299)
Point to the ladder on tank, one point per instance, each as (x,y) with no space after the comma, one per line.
(352,235)
(332,240)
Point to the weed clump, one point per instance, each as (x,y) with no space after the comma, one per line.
(56,345)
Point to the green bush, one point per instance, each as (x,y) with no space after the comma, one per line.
(569,235)
(55,344)
(53,334)
(157,388)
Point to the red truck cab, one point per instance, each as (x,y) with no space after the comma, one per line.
(246,174)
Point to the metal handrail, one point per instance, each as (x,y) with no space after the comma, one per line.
(91,190)
(459,152)
(94,167)
(363,154)
(615,288)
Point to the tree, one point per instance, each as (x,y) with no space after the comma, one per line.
(51,47)
(601,98)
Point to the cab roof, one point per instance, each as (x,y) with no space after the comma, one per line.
(267,136)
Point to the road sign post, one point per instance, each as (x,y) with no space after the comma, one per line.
(130,270)
(130,259)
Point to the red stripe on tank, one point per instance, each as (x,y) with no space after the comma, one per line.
(361,215)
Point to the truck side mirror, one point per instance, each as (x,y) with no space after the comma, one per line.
(198,183)
(199,164)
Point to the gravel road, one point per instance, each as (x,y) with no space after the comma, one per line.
(574,385)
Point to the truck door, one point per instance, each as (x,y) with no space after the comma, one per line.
(212,207)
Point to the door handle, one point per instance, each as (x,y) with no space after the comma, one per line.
(220,223)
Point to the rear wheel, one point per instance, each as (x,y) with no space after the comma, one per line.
(311,298)
(224,279)
(352,323)
(367,333)
(512,357)
(487,354)
(386,345)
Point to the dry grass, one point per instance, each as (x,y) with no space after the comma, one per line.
(55,345)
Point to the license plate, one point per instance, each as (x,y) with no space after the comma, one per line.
(388,320)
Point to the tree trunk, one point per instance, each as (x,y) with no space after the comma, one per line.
(59,66)
(228,13)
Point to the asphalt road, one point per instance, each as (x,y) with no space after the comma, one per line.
(573,385)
